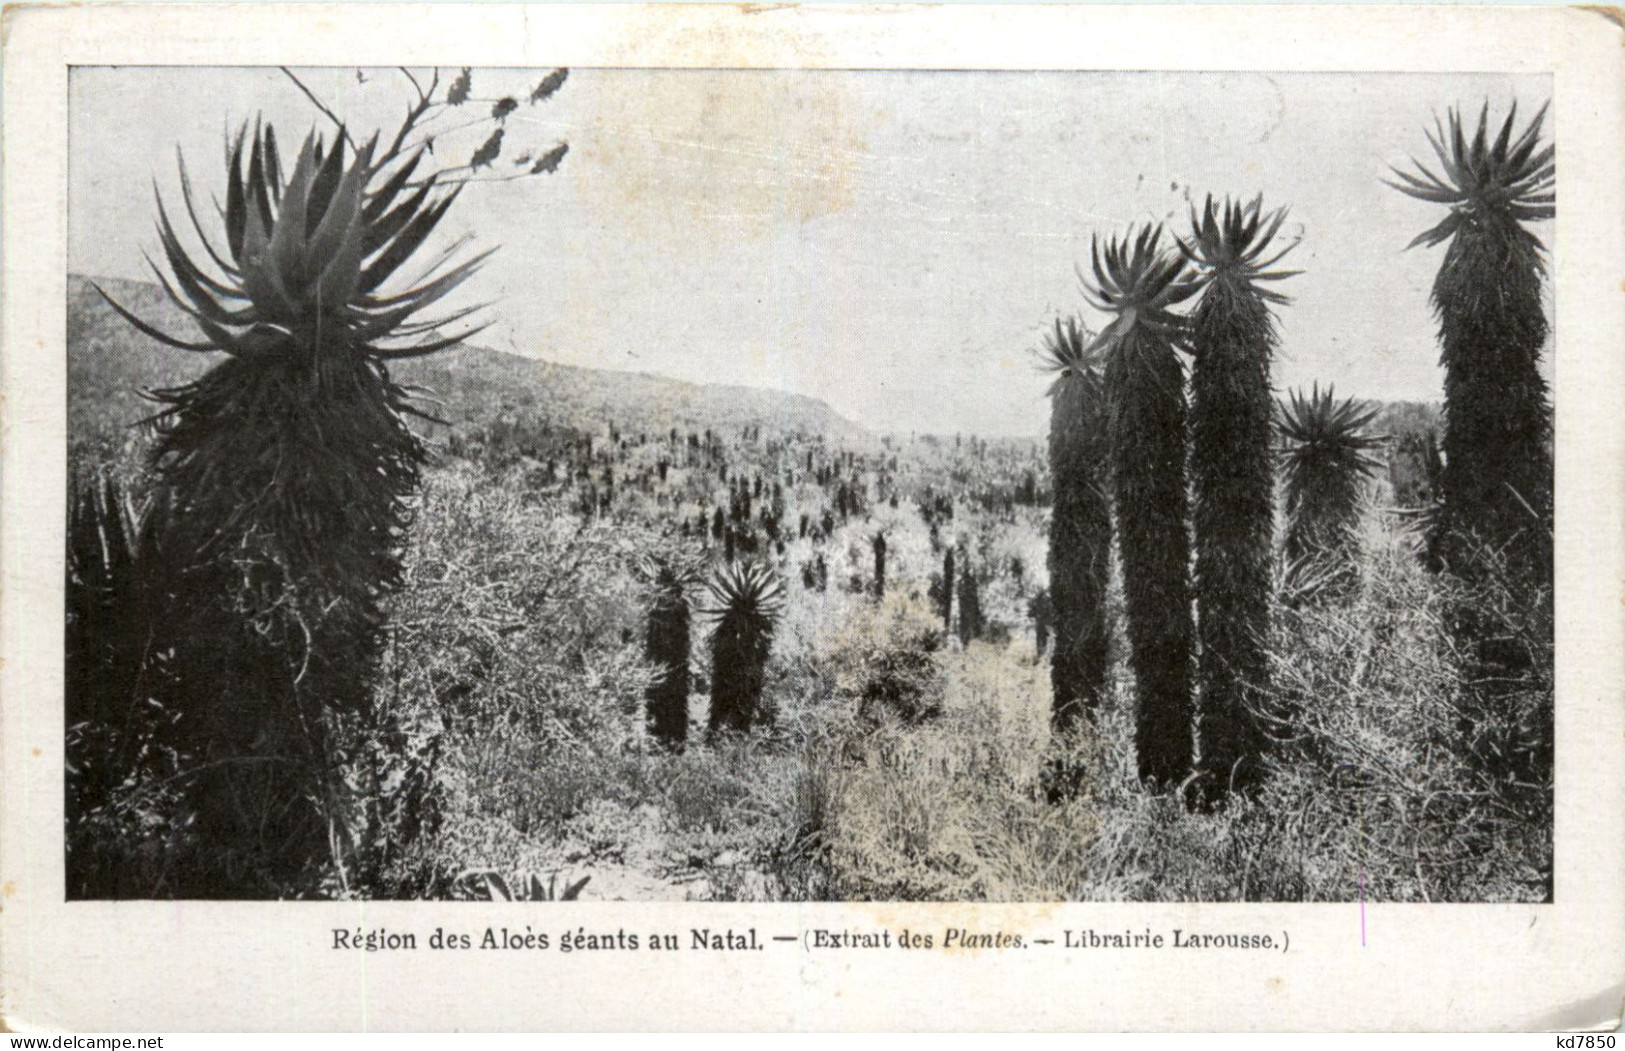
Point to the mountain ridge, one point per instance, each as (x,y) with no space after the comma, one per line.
(110,364)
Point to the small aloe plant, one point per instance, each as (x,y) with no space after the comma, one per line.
(1327,459)
(666,645)
(747,599)
(491,885)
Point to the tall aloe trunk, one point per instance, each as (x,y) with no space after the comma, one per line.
(1145,383)
(1495,518)
(1497,479)
(1233,479)
(1080,536)
(1235,512)
(969,600)
(1148,465)
(667,647)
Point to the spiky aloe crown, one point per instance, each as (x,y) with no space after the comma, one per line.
(1068,352)
(668,576)
(746,596)
(1505,183)
(1139,283)
(305,258)
(1319,432)
(1228,245)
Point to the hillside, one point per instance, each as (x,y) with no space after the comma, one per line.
(109,363)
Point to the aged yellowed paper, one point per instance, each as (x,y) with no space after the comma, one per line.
(811,517)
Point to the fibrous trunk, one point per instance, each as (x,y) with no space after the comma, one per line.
(1495,522)
(738,662)
(1497,477)
(1080,545)
(287,482)
(667,649)
(1233,481)
(1148,467)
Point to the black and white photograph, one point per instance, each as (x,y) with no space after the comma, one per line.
(787,485)
(811,517)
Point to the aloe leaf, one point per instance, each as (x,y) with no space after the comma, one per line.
(146,329)
(323,185)
(287,245)
(1447,163)
(425,349)
(403,246)
(191,213)
(236,202)
(261,280)
(273,165)
(423,295)
(181,263)
(419,328)
(336,285)
(1436,234)
(1259,243)
(199,297)
(1094,257)
(379,201)
(1520,151)
(1261,269)
(256,181)
(382,231)
(1533,213)
(1416,188)
(339,233)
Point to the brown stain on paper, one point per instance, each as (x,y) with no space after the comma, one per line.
(737,131)
(1613,14)
(733,154)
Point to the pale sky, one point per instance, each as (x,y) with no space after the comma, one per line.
(892,242)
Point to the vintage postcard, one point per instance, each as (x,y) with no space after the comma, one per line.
(925,518)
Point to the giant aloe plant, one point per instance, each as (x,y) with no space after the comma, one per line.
(287,467)
(1139,285)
